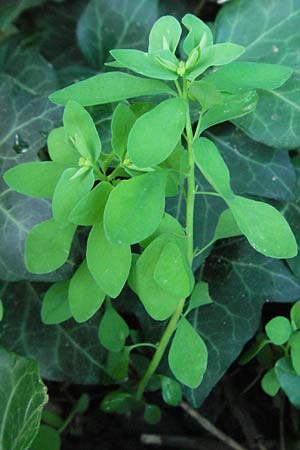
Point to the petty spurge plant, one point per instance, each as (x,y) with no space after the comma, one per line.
(157,145)
(183,87)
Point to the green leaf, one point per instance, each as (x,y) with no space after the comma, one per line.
(117,364)
(23,396)
(241,281)
(280,129)
(104,25)
(85,296)
(159,303)
(172,272)
(109,87)
(108,263)
(1,310)
(254,168)
(122,121)
(200,296)
(267,40)
(52,419)
(246,76)
(279,330)
(168,225)
(234,106)
(152,414)
(289,381)
(142,63)
(113,330)
(37,179)
(188,355)
(171,391)
(294,343)
(216,55)
(264,227)
(267,43)
(60,148)
(226,226)
(47,439)
(295,315)
(9,12)
(48,246)
(69,191)
(253,350)
(65,352)
(269,383)
(165,34)
(118,401)
(55,306)
(83,403)
(212,165)
(89,210)
(148,145)
(135,208)
(199,32)
(208,95)
(81,131)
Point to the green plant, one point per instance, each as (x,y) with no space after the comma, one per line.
(278,353)
(154,154)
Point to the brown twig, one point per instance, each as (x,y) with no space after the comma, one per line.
(211,428)
(160,440)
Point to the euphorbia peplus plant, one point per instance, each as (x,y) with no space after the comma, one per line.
(154,153)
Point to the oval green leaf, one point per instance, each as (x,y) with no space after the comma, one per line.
(188,355)
(108,263)
(150,144)
(85,296)
(165,34)
(279,330)
(135,208)
(108,88)
(37,179)
(113,330)
(55,306)
(48,246)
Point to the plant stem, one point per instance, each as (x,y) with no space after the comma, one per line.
(171,327)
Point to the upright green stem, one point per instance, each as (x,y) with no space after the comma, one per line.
(171,327)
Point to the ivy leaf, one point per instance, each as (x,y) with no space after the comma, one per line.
(148,145)
(84,295)
(65,352)
(113,330)
(48,246)
(108,88)
(165,34)
(135,208)
(267,43)
(10,11)
(55,307)
(187,355)
(289,381)
(109,263)
(267,40)
(118,24)
(23,396)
